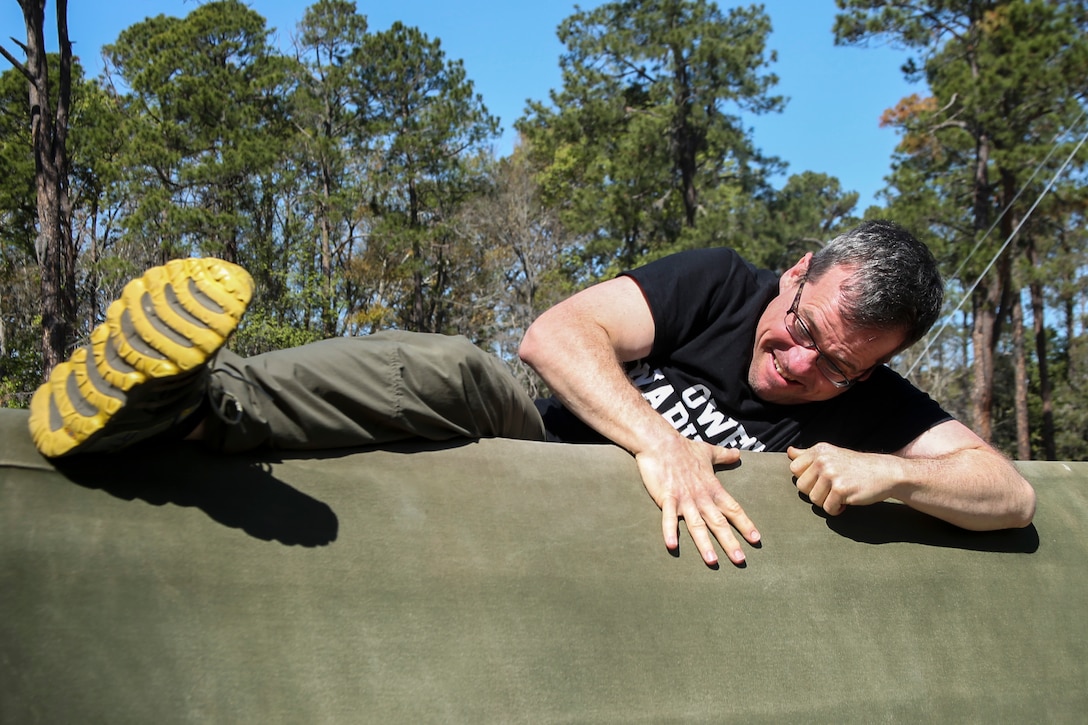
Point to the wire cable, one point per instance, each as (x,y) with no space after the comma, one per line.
(1012,235)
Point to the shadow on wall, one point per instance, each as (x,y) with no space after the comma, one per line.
(890,523)
(237,491)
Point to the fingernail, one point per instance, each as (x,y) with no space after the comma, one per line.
(738,556)
(755,536)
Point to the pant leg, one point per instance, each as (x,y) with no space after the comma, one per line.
(381,388)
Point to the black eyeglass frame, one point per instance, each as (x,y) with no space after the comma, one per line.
(801,335)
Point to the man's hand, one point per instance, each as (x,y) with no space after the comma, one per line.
(680,478)
(947,472)
(578,347)
(834,478)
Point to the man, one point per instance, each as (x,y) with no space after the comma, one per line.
(812,345)
(682,362)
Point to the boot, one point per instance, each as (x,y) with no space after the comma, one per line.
(144,371)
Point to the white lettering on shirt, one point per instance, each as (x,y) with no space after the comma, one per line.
(710,424)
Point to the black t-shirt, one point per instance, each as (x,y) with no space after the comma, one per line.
(706,304)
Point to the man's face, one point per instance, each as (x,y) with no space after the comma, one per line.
(785,372)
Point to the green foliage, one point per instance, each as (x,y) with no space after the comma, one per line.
(260,333)
(1006,78)
(206,110)
(329,169)
(352,177)
(641,148)
(20,336)
(18,211)
(425,124)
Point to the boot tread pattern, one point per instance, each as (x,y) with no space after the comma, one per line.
(142,369)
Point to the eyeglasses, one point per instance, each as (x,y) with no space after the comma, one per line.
(801,335)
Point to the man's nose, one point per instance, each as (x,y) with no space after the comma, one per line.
(802,360)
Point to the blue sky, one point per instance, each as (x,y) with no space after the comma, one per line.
(511,53)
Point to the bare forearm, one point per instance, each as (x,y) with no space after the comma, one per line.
(579,348)
(588,377)
(975,489)
(586,373)
(948,472)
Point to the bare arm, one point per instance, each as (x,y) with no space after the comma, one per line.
(578,348)
(947,472)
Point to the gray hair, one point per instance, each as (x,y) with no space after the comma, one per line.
(895,281)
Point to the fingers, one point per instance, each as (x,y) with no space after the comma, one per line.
(684,485)
(833,504)
(712,519)
(696,526)
(823,493)
(669,523)
(735,517)
(800,459)
(816,483)
(724,456)
(699,533)
(722,528)
(726,515)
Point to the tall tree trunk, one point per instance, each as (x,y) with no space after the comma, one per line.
(92,286)
(685,143)
(3,331)
(982,389)
(1020,367)
(416,321)
(1069,308)
(49,131)
(1046,392)
(1071,368)
(984,300)
(328,319)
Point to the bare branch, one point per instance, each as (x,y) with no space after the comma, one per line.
(951,102)
(962,125)
(17,64)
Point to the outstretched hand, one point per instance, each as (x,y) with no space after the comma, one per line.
(680,478)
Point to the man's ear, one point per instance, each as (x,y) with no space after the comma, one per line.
(793,276)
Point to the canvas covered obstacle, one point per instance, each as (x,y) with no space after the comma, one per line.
(504,581)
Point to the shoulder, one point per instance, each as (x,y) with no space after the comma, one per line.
(712,260)
(707,298)
(946,438)
(889,393)
(701,273)
(882,414)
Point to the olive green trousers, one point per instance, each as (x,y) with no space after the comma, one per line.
(357,391)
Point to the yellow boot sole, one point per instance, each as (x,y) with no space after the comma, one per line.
(142,370)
